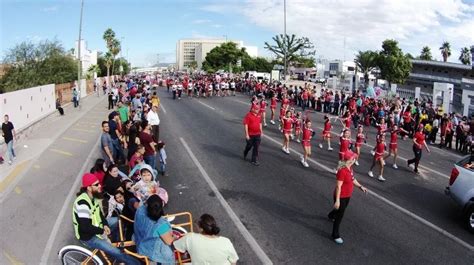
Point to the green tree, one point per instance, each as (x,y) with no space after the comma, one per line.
(445,50)
(223,57)
(109,36)
(193,65)
(294,48)
(366,61)
(394,66)
(93,69)
(426,54)
(465,56)
(114,49)
(37,64)
(108,61)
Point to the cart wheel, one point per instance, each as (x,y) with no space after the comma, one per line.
(76,255)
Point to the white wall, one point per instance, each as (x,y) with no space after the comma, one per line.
(27,106)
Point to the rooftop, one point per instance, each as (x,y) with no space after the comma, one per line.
(442,64)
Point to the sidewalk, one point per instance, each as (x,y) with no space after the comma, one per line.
(33,140)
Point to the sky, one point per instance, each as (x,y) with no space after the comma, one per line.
(149,29)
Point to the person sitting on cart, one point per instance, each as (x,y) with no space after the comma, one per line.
(90,225)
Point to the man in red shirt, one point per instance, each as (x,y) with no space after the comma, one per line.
(418,144)
(253,132)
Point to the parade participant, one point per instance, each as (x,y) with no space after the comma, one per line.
(393,146)
(297,124)
(418,144)
(263,108)
(360,139)
(342,194)
(378,157)
(253,133)
(307,134)
(346,120)
(345,142)
(326,135)
(287,127)
(273,105)
(283,110)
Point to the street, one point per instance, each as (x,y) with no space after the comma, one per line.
(275,212)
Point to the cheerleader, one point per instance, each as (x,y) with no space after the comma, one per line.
(360,138)
(297,125)
(393,146)
(287,123)
(326,135)
(263,108)
(378,157)
(345,142)
(273,105)
(283,110)
(307,134)
(346,120)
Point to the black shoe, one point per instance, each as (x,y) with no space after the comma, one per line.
(256,163)
(416,171)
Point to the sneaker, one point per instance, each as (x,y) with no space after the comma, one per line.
(371,174)
(339,241)
(265,125)
(287,151)
(305,164)
(301,158)
(356,163)
(395,166)
(321,146)
(298,141)
(255,163)
(283,149)
(380,178)
(279,127)
(10,162)
(330,149)
(272,122)
(372,152)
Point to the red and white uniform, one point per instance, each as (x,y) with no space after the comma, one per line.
(263,106)
(297,123)
(344,146)
(360,139)
(347,122)
(287,123)
(273,103)
(327,129)
(282,113)
(307,135)
(285,102)
(394,140)
(379,149)
(381,128)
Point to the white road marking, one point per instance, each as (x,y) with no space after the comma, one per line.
(66,206)
(162,108)
(240,226)
(387,201)
(202,103)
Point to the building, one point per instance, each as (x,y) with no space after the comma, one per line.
(425,74)
(88,58)
(195,50)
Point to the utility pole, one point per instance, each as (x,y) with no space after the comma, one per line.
(284,39)
(79,70)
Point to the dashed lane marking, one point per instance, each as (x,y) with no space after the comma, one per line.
(162,108)
(202,103)
(11,177)
(13,260)
(75,140)
(233,216)
(61,152)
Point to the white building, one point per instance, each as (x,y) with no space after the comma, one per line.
(88,58)
(189,50)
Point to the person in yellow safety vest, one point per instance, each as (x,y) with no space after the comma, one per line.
(90,225)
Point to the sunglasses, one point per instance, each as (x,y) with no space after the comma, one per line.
(96,185)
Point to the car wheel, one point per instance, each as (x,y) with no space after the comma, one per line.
(470,219)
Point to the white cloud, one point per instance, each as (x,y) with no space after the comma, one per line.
(50,9)
(364,23)
(201,21)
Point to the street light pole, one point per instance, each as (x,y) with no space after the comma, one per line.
(79,70)
(284,38)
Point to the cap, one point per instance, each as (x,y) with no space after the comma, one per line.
(88,179)
(147,167)
(349,155)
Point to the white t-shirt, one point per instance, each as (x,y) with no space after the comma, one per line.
(207,250)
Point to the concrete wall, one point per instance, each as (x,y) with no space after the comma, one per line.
(27,106)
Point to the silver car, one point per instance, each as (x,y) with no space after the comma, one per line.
(461,188)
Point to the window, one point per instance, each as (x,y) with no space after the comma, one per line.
(333,66)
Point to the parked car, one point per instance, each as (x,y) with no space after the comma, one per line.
(461,189)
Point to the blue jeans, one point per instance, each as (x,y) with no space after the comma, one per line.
(150,160)
(118,151)
(162,168)
(114,229)
(10,151)
(104,245)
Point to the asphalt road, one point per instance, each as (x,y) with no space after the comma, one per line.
(277,210)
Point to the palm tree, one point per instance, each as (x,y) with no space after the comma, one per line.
(366,62)
(465,56)
(108,57)
(426,54)
(109,36)
(114,49)
(92,69)
(445,50)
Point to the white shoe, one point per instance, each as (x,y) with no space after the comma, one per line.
(371,174)
(381,178)
(10,162)
(305,164)
(279,127)
(265,125)
(301,158)
(395,166)
(356,163)
(330,149)
(298,141)
(287,151)
(272,122)
(372,152)
(292,136)
(321,146)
